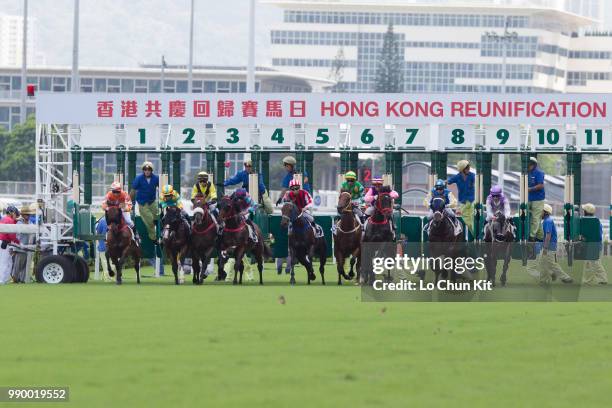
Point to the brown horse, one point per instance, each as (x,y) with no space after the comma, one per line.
(175,238)
(236,241)
(499,236)
(302,242)
(347,239)
(203,240)
(378,229)
(119,244)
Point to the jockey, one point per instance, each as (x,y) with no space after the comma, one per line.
(301,198)
(355,189)
(171,198)
(372,195)
(116,197)
(497,202)
(440,191)
(204,188)
(246,206)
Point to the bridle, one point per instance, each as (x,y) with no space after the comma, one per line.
(349,205)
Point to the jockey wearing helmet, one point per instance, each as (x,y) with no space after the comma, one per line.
(355,189)
(372,194)
(203,189)
(301,198)
(440,191)
(116,197)
(245,205)
(497,202)
(171,198)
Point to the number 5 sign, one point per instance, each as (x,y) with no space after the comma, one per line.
(454,137)
(321,136)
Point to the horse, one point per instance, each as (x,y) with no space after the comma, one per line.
(203,240)
(500,236)
(175,238)
(347,239)
(119,244)
(378,226)
(445,243)
(303,244)
(236,241)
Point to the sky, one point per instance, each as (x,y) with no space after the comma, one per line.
(126,33)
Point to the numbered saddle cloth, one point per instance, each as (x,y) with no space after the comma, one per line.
(318,231)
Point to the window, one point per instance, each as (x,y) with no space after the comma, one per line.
(86,85)
(45,83)
(4,114)
(114,85)
(168,86)
(127,85)
(140,86)
(154,85)
(210,86)
(223,86)
(59,84)
(16,83)
(100,85)
(181,86)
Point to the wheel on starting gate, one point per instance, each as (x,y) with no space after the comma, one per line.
(55,269)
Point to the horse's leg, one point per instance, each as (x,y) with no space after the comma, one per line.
(238,253)
(195,265)
(119,266)
(290,260)
(111,273)
(137,267)
(339,266)
(304,260)
(260,257)
(507,257)
(322,260)
(174,256)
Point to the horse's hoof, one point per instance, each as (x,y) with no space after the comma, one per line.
(312,277)
(234,283)
(111,274)
(119,282)
(339,283)
(292,281)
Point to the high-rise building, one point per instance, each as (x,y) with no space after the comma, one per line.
(450,47)
(11,42)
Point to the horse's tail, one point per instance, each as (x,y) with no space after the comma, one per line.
(267,251)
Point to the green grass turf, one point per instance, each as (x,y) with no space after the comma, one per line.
(220,345)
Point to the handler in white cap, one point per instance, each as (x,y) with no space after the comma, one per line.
(593,272)
(549,268)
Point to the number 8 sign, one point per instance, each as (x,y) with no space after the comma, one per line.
(456,137)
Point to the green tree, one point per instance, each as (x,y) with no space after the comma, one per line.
(390,71)
(18,152)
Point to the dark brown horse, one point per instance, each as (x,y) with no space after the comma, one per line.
(236,241)
(119,244)
(499,238)
(175,238)
(444,243)
(378,229)
(347,239)
(203,240)
(303,244)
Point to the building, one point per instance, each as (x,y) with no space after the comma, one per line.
(446,48)
(140,80)
(146,78)
(11,41)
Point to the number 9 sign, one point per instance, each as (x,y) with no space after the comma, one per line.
(502,137)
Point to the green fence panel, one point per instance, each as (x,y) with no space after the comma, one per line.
(146,245)
(326,221)
(280,248)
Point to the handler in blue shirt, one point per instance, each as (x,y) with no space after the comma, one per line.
(536,196)
(549,268)
(146,185)
(289,163)
(243,177)
(465,180)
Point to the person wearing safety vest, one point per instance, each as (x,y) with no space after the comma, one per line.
(356,190)
(144,191)
(116,197)
(440,191)
(6,257)
(465,180)
(243,177)
(497,202)
(593,272)
(245,205)
(289,163)
(548,266)
(302,199)
(536,196)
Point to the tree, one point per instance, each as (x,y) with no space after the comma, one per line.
(18,152)
(390,71)
(336,72)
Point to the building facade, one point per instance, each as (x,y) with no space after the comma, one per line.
(11,41)
(446,48)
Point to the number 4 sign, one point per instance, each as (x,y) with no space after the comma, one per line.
(277,137)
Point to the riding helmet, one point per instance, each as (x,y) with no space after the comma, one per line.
(350,175)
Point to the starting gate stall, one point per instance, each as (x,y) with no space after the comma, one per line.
(71,127)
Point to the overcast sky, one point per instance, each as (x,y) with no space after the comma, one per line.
(129,32)
(125,33)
